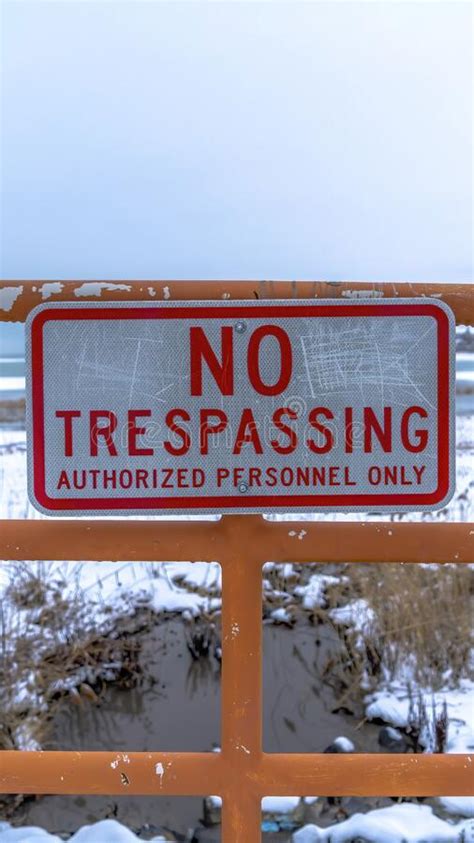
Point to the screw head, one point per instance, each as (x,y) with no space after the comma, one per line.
(243,487)
(240,327)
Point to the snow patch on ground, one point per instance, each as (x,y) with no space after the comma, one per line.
(106,831)
(343,744)
(313,594)
(392,705)
(405,823)
(460,806)
(270,804)
(280,615)
(357,614)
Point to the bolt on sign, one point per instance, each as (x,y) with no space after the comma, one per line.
(238,406)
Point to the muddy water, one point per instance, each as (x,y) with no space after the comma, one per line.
(177,708)
(303,713)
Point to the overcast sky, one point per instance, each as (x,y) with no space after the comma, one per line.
(235,140)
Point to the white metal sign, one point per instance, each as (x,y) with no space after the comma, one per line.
(262,406)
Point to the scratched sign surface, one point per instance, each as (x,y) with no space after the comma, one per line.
(262,406)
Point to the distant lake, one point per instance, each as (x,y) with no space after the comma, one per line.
(12,378)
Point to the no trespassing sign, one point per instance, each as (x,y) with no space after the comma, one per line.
(262,406)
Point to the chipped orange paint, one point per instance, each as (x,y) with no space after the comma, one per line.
(241,773)
(17,298)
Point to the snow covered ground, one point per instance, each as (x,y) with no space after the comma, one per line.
(106,831)
(405,823)
(392,705)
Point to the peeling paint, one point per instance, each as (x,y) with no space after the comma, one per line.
(226,295)
(8,297)
(151,292)
(49,288)
(300,535)
(235,629)
(166,293)
(242,746)
(362,294)
(160,770)
(124,779)
(94,288)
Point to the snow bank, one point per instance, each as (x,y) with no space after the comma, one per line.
(405,823)
(106,831)
(392,705)
(461,806)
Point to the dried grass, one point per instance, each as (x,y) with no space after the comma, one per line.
(422,621)
(49,648)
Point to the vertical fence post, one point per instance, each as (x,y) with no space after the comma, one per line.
(241,693)
(241,816)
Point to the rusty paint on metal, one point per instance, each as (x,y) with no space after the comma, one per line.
(241,773)
(258,539)
(100,772)
(17,298)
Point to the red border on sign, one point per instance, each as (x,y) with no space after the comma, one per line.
(231,501)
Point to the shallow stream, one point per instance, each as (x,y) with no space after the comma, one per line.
(176,708)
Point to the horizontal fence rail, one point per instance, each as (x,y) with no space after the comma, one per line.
(280,774)
(17,298)
(241,773)
(278,541)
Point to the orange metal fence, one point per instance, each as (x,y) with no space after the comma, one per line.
(242,773)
